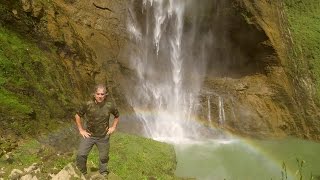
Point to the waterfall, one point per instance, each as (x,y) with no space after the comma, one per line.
(221,111)
(209,110)
(164,95)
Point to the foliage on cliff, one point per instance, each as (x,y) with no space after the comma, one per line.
(34,85)
(304,21)
(38,88)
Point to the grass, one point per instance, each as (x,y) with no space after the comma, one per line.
(144,158)
(131,157)
(304,21)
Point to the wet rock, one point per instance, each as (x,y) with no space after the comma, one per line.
(37,8)
(31,168)
(241,86)
(8,158)
(15,174)
(15,13)
(7,144)
(248,104)
(28,177)
(27,174)
(67,172)
(2,172)
(26,5)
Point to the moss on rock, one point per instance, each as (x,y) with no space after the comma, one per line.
(304,23)
(31,85)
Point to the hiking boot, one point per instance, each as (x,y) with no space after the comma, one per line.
(105,175)
(86,176)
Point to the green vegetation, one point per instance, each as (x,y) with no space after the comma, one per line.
(304,21)
(299,173)
(131,157)
(145,158)
(34,85)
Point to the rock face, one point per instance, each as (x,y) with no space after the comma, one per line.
(96,30)
(262,93)
(28,173)
(68,172)
(93,30)
(86,36)
(295,93)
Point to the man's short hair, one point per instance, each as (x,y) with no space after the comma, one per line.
(101,86)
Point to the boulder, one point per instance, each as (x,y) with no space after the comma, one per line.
(68,172)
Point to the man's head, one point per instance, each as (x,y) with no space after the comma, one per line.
(100,93)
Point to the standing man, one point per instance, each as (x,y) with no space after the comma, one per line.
(97,130)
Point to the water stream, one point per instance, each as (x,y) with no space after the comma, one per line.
(222,116)
(170,68)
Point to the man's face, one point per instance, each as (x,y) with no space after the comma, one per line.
(100,95)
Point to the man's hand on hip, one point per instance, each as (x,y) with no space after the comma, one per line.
(84,134)
(111,130)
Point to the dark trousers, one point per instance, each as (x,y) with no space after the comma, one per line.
(86,145)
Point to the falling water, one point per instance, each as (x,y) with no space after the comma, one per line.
(209,110)
(164,98)
(221,111)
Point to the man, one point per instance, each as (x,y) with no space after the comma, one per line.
(97,131)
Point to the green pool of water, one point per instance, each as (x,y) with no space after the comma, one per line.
(238,159)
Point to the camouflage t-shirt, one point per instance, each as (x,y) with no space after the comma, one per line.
(97,116)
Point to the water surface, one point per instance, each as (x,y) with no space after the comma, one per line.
(248,159)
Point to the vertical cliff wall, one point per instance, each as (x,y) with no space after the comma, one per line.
(266,90)
(52,54)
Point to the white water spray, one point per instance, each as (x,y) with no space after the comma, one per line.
(222,115)
(209,110)
(163,98)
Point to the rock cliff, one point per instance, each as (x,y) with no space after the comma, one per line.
(265,90)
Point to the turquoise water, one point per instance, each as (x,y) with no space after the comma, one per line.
(238,159)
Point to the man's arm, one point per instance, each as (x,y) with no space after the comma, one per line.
(82,131)
(114,126)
